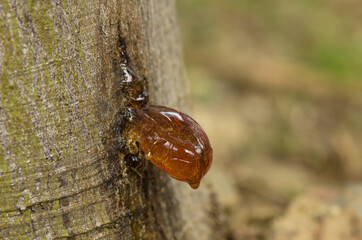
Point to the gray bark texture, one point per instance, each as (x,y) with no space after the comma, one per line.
(61,173)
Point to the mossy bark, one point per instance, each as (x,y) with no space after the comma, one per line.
(61,170)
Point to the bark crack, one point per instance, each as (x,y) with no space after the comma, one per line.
(111,180)
(115,224)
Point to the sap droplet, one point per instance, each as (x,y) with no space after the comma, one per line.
(172,141)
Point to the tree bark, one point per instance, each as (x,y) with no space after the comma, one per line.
(62,173)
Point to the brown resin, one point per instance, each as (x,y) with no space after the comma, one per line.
(172,141)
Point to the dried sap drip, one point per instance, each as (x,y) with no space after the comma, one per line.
(172,141)
(134,88)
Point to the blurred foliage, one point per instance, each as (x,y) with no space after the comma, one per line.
(325,35)
(276,85)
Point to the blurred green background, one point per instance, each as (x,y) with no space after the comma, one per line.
(277,86)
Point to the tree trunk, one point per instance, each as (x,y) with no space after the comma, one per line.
(62,173)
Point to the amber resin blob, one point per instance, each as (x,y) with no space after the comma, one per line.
(172,141)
